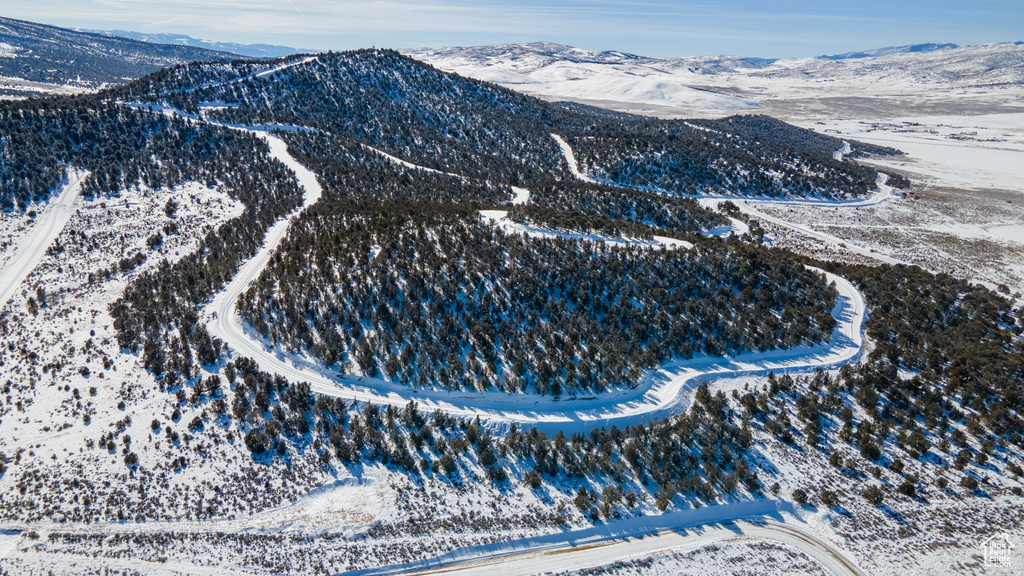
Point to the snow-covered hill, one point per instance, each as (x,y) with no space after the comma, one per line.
(930,47)
(714,85)
(555,70)
(39,59)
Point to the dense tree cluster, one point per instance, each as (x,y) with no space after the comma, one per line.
(697,453)
(963,339)
(434,295)
(684,157)
(404,107)
(756,128)
(348,168)
(119,146)
(577,206)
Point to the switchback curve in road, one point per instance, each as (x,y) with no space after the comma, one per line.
(662,392)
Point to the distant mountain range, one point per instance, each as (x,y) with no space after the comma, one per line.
(717,84)
(249,50)
(40,59)
(891,50)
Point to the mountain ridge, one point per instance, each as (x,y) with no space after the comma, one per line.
(402,106)
(908,49)
(39,58)
(558,49)
(251,50)
(716,85)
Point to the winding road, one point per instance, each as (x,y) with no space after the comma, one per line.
(746,204)
(661,393)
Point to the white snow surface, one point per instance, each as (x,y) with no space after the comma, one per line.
(8,50)
(963,151)
(719,85)
(499,217)
(634,538)
(519,195)
(735,226)
(1011,232)
(45,230)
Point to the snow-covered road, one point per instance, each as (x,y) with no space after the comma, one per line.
(660,393)
(634,539)
(745,203)
(881,194)
(823,237)
(253,75)
(410,165)
(500,218)
(619,549)
(222,314)
(45,230)
(570,160)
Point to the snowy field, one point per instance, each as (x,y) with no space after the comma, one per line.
(965,211)
(965,80)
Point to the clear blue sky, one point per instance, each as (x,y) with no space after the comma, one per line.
(768,28)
